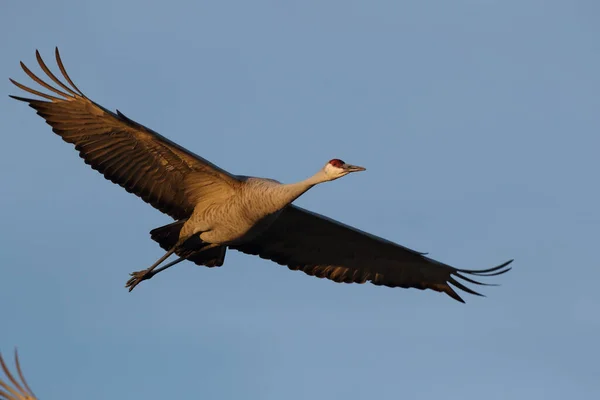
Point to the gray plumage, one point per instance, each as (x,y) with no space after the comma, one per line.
(215,210)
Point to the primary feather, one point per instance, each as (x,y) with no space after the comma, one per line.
(14,389)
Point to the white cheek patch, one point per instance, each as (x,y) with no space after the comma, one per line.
(331,170)
(334,172)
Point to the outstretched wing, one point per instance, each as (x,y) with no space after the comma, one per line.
(125,152)
(322,247)
(18,390)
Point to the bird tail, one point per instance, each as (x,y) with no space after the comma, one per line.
(168,235)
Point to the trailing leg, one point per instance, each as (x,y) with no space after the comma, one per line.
(147,273)
(139,276)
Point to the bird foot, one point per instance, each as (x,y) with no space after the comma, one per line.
(137,278)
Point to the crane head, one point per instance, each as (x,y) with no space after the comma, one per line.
(337,168)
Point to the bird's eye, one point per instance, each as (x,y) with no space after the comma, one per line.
(336,162)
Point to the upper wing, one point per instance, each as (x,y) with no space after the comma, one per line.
(325,248)
(18,390)
(125,152)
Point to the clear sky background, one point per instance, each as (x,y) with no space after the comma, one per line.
(477,121)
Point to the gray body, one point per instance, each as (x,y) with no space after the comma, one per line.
(232,218)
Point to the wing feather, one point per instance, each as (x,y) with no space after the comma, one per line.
(18,390)
(124,151)
(321,247)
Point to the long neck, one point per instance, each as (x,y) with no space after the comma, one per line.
(283,195)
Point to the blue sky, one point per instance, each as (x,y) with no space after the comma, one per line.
(477,121)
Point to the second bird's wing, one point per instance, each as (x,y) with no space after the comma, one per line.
(18,390)
(127,153)
(322,247)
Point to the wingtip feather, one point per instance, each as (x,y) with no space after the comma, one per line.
(20,372)
(19,390)
(488,271)
(461,273)
(463,287)
(64,72)
(452,293)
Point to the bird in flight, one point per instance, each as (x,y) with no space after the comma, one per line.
(18,390)
(215,210)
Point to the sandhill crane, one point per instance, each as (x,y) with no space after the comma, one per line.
(215,210)
(18,390)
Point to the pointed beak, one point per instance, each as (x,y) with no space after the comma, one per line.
(353,168)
